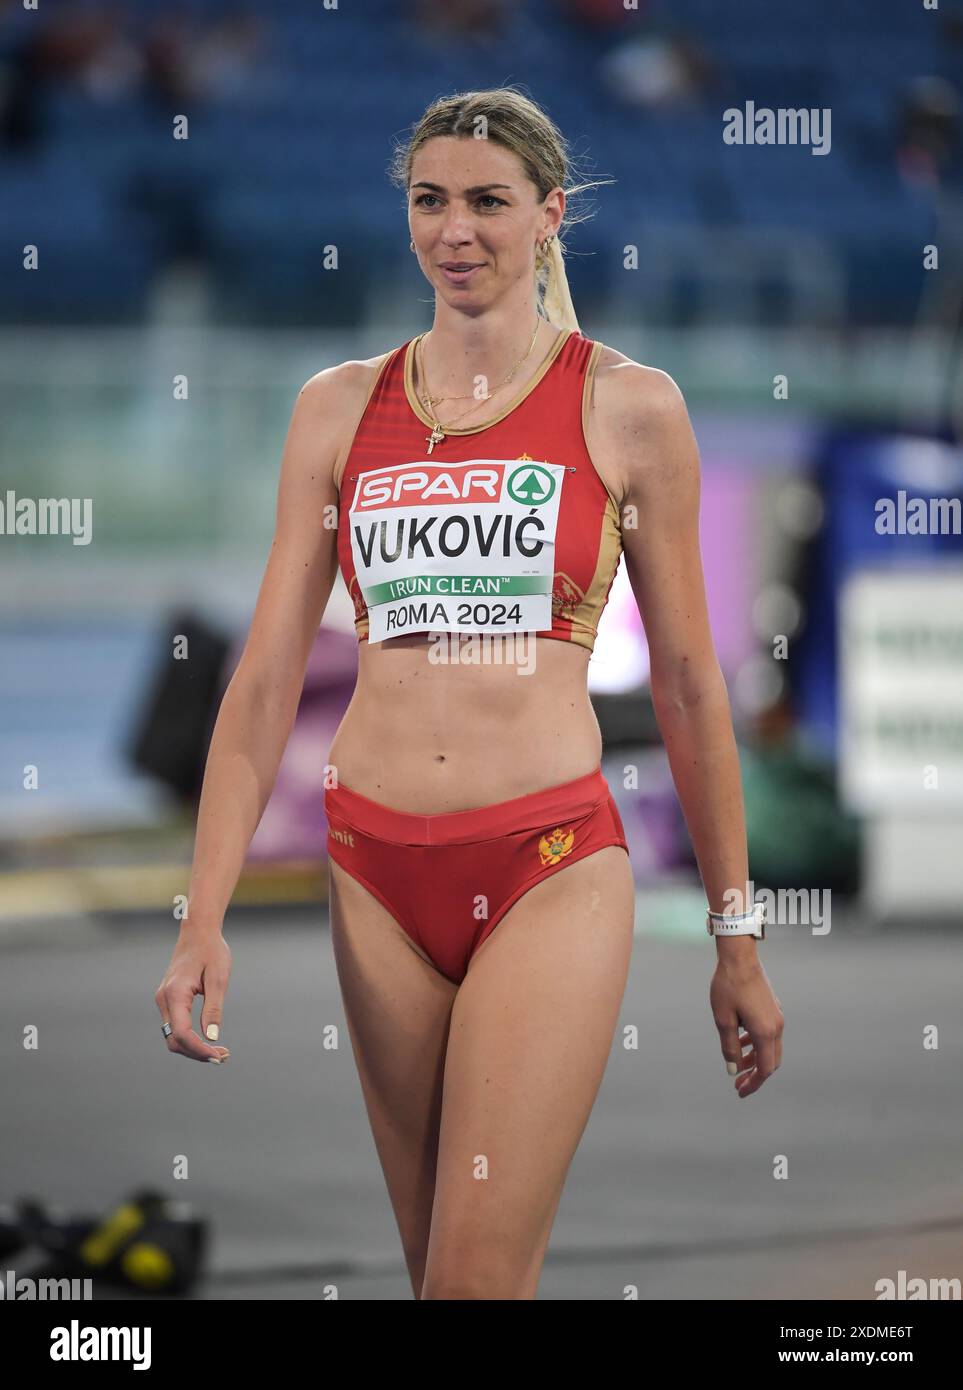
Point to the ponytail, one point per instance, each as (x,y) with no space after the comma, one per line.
(551,280)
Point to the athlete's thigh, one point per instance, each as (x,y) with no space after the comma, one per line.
(531,1032)
(398,1009)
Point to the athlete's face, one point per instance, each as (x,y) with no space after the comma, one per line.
(476,218)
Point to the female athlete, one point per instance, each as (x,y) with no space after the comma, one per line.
(484,478)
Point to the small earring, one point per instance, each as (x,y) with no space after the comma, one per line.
(412,245)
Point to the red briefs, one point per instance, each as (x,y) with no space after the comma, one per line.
(449,879)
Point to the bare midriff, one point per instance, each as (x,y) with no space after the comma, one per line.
(430,737)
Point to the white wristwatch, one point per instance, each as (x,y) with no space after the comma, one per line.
(751,923)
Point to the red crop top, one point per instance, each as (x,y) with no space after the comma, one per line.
(503,528)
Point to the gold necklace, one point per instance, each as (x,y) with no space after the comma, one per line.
(438,430)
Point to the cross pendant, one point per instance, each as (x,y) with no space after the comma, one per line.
(436,436)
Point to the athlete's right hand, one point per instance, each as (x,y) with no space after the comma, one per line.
(201,964)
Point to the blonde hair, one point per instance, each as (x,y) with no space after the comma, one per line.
(513,120)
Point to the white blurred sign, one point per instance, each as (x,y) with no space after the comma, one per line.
(901,691)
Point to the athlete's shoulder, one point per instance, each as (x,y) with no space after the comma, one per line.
(344,386)
(639,423)
(629,390)
(327,411)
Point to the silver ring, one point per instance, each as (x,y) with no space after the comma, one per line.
(166,1029)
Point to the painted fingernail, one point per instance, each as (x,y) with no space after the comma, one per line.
(213,1032)
(215,1060)
(732,1068)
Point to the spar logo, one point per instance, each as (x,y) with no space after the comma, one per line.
(530,485)
(409,485)
(419,484)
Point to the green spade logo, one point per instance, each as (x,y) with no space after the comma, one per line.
(531,485)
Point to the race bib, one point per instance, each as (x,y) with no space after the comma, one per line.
(456,547)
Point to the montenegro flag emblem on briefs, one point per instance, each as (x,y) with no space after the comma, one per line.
(554,847)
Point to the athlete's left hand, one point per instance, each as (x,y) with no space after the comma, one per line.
(741,997)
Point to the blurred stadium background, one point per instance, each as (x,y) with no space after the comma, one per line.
(163,298)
